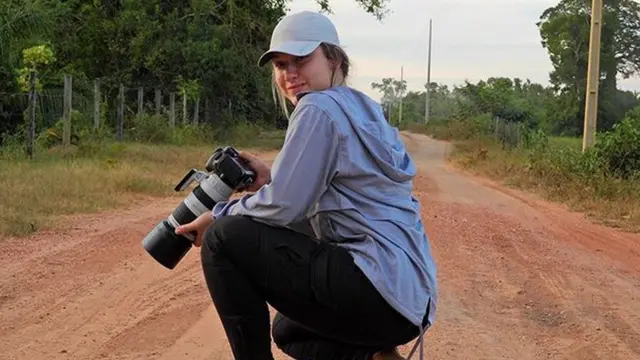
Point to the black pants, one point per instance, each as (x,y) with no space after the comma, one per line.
(327,308)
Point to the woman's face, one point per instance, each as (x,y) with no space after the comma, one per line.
(295,74)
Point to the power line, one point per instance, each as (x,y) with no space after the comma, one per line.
(427,92)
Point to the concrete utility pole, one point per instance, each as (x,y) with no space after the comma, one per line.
(428,90)
(593,76)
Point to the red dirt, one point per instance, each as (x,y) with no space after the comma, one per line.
(519,278)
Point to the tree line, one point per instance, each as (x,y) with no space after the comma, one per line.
(558,108)
(209,47)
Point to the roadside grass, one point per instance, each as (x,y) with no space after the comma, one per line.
(100,175)
(555,168)
(611,201)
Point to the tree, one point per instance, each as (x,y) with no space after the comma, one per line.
(156,43)
(442,102)
(22,23)
(377,8)
(35,60)
(564,29)
(508,99)
(150,44)
(392,91)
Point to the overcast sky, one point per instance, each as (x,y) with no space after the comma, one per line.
(472,39)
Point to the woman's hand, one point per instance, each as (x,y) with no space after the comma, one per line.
(199,225)
(263,172)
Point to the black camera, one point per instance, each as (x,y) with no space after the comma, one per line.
(226,173)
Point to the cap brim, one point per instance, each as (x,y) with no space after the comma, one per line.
(295,48)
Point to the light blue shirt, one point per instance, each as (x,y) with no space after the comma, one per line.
(345,171)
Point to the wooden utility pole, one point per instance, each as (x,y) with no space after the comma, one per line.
(31,138)
(158,101)
(196,111)
(96,104)
(172,109)
(67,108)
(593,76)
(120,125)
(428,90)
(401,93)
(184,107)
(140,100)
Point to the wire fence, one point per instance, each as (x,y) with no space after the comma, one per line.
(95,105)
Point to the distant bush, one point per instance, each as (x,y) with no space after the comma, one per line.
(457,128)
(155,129)
(619,149)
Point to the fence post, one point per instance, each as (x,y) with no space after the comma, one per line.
(196,111)
(172,109)
(120,132)
(184,107)
(519,134)
(140,100)
(96,103)
(32,115)
(158,101)
(66,133)
(207,110)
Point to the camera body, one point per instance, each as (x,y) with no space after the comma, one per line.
(225,173)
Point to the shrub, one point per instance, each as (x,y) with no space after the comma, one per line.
(460,128)
(619,149)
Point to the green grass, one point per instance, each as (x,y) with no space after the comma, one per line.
(562,142)
(559,174)
(558,170)
(100,175)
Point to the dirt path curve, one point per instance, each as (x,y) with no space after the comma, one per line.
(519,279)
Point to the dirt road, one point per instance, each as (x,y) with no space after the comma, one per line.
(519,279)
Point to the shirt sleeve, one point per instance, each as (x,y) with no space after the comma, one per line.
(300,173)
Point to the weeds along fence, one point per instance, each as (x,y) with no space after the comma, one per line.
(56,112)
(510,134)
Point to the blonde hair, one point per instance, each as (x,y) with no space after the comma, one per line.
(332,53)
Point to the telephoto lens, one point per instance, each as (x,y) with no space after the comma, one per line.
(226,173)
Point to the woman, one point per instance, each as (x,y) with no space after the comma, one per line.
(332,237)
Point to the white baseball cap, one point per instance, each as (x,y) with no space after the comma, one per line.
(299,34)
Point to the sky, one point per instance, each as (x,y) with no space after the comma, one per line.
(471,40)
